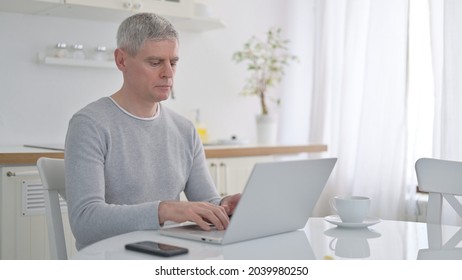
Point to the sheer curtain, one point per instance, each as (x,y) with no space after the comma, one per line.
(357,99)
(446,33)
(446,24)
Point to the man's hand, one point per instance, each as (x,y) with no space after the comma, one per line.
(201,213)
(230,202)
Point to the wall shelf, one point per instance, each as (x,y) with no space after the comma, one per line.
(76,62)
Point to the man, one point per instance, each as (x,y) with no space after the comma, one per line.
(128,157)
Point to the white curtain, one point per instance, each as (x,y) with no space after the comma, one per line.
(446,23)
(357,99)
(446,34)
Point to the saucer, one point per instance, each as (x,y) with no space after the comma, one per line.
(335,219)
(361,233)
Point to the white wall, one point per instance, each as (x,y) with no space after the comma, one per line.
(37,100)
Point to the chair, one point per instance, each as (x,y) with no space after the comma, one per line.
(438,248)
(441,179)
(52,174)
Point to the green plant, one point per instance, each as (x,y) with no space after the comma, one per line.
(266,61)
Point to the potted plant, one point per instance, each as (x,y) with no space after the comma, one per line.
(266,61)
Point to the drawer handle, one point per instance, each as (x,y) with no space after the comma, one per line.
(23,173)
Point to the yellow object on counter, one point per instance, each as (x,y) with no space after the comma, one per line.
(201,128)
(203,135)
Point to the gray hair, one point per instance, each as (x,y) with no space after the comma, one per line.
(136,29)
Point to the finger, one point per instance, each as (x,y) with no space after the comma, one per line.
(217,216)
(223,216)
(203,224)
(230,203)
(227,209)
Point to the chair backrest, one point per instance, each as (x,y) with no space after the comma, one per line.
(440,178)
(52,174)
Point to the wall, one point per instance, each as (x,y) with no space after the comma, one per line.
(37,100)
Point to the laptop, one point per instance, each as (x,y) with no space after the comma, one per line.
(279,197)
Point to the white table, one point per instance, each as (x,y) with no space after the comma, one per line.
(387,240)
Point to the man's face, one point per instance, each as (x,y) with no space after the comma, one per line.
(149,74)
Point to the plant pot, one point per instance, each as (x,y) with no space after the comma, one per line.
(267,128)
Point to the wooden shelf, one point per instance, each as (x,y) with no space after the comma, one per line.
(76,62)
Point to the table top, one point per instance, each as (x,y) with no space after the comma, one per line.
(386,240)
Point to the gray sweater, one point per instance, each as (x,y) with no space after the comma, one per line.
(119,167)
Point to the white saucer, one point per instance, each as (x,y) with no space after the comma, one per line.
(335,219)
(360,233)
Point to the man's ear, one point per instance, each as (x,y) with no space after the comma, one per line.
(120,58)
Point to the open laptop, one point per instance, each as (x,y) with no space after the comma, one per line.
(279,197)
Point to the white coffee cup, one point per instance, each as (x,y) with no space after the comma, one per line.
(351,209)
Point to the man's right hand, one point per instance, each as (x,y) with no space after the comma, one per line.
(201,213)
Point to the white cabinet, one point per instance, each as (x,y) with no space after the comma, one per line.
(184,14)
(174,8)
(29,6)
(23,231)
(230,174)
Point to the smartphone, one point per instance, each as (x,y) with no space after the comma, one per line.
(154,248)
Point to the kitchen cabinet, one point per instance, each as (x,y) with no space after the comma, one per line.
(230,174)
(173,8)
(185,15)
(230,166)
(29,6)
(23,232)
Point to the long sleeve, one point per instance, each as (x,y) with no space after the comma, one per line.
(119,168)
(92,218)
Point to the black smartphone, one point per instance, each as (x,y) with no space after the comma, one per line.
(154,248)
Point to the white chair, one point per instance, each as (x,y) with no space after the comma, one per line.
(52,174)
(441,179)
(440,246)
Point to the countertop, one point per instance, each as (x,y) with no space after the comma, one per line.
(20,155)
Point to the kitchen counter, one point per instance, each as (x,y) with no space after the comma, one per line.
(20,155)
(249,151)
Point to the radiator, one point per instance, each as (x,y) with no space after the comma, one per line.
(23,230)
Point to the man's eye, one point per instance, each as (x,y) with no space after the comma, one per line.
(154,63)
